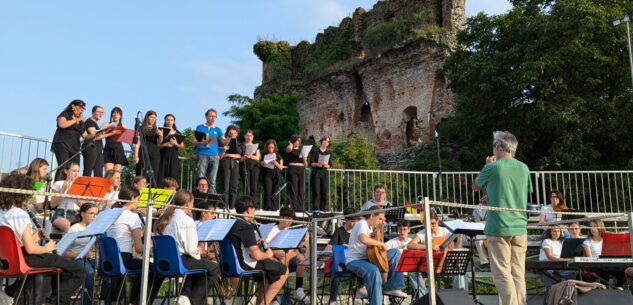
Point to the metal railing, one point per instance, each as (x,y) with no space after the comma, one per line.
(18,151)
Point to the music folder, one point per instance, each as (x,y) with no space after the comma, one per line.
(572,247)
(101,224)
(215,229)
(159,196)
(127,136)
(288,239)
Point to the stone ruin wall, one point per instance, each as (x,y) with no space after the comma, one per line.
(381,97)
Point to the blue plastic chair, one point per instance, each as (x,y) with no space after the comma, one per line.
(338,264)
(230,267)
(168,263)
(111,263)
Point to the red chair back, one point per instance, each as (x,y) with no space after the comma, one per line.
(13,263)
(616,245)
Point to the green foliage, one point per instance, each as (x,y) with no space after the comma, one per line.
(270,117)
(355,153)
(333,46)
(555,74)
(388,34)
(268,51)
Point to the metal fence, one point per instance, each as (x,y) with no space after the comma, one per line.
(591,191)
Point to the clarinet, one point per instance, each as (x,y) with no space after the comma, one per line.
(260,241)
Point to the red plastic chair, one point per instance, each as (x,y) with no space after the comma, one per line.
(13,263)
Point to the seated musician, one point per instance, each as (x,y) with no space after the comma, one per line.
(292,259)
(13,215)
(359,264)
(207,250)
(341,237)
(440,234)
(551,248)
(592,246)
(87,213)
(574,230)
(65,208)
(243,237)
(403,238)
(177,223)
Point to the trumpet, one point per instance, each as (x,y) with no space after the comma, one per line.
(222,284)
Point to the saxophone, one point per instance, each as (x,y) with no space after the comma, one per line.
(223,283)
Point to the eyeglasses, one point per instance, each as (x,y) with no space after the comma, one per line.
(573,229)
(553,196)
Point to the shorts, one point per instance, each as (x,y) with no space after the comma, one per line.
(273,269)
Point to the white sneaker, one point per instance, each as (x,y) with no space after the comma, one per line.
(301,296)
(274,302)
(5,299)
(396,293)
(362,293)
(183,300)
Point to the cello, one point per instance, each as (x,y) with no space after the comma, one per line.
(377,255)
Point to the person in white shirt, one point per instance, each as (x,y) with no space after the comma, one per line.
(177,223)
(13,215)
(87,213)
(65,209)
(550,211)
(550,251)
(291,258)
(112,196)
(593,244)
(380,198)
(127,230)
(358,263)
(403,238)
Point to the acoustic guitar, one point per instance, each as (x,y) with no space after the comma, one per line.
(378,255)
(437,242)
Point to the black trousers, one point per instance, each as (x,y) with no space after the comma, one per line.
(271,183)
(93,162)
(250,176)
(230,173)
(135,264)
(296,187)
(194,287)
(319,179)
(63,153)
(70,280)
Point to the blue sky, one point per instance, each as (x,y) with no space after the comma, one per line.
(179,57)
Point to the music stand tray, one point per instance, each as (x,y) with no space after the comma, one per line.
(393,216)
(90,187)
(215,230)
(456,262)
(288,239)
(415,261)
(159,196)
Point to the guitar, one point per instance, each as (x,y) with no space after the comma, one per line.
(437,242)
(377,255)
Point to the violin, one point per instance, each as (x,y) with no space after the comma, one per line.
(378,255)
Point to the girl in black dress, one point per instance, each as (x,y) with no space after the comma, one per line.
(93,154)
(169,163)
(230,165)
(271,167)
(296,176)
(319,177)
(153,136)
(66,141)
(113,153)
(250,166)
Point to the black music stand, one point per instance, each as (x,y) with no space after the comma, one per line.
(456,262)
(393,216)
(287,240)
(471,230)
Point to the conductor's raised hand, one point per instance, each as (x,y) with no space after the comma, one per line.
(491,159)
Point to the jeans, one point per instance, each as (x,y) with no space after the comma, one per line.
(418,285)
(63,213)
(88,266)
(372,279)
(207,166)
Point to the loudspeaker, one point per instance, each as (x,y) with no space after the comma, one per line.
(448,297)
(602,297)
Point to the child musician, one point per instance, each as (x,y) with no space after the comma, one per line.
(358,263)
(13,215)
(243,237)
(177,223)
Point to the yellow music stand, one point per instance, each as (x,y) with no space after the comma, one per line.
(159,196)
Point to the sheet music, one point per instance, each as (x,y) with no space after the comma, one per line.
(324,159)
(265,229)
(101,224)
(268,159)
(87,248)
(305,150)
(459,224)
(288,239)
(66,242)
(215,230)
(106,127)
(251,149)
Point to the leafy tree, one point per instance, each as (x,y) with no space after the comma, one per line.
(554,73)
(355,153)
(270,117)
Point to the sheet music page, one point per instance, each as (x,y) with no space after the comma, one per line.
(324,159)
(288,239)
(106,127)
(265,229)
(103,221)
(86,249)
(460,224)
(66,242)
(215,230)
(305,150)
(251,149)
(268,159)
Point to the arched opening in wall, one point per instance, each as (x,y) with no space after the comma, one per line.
(364,125)
(365,114)
(412,126)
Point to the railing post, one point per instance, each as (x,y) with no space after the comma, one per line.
(146,248)
(630,217)
(428,240)
(313,260)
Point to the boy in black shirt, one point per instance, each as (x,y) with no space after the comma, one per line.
(340,237)
(245,240)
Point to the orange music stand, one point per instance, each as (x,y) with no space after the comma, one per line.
(90,186)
